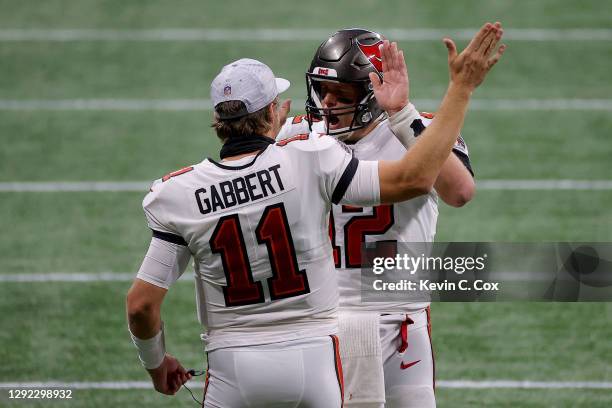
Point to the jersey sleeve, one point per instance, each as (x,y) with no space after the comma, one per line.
(164,263)
(460,148)
(295,125)
(364,189)
(168,253)
(157,208)
(347,180)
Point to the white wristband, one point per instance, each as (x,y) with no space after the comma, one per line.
(400,125)
(151,352)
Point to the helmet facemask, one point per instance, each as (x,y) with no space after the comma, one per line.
(363,113)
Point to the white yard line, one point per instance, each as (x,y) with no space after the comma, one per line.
(457,384)
(76,186)
(143,186)
(106,104)
(106,385)
(68,277)
(290,34)
(559,104)
(78,277)
(544,184)
(464,384)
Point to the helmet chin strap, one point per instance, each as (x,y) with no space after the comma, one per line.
(343,134)
(344,137)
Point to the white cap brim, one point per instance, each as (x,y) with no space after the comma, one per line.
(282,85)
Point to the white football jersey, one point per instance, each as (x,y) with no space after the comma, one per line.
(410,221)
(257,229)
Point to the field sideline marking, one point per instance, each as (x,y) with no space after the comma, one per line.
(143,186)
(456,384)
(289,34)
(78,277)
(70,277)
(115,104)
(188,276)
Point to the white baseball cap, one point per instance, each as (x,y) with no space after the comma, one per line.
(249,81)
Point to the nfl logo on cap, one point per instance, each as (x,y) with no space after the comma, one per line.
(247,81)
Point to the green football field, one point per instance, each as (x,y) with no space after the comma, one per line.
(123,97)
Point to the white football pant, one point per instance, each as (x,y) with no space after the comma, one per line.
(304,373)
(408,361)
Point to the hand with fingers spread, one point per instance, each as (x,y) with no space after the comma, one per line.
(470,67)
(283,111)
(169,376)
(392,93)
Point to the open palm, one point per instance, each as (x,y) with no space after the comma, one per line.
(392,93)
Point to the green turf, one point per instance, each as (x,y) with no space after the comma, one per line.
(318,13)
(529,216)
(102,146)
(47,146)
(540,145)
(45,344)
(77,331)
(136,70)
(109,398)
(539,342)
(185,69)
(563,398)
(73,232)
(527,341)
(447,398)
(98,232)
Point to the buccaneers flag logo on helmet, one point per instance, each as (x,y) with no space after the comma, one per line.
(372,53)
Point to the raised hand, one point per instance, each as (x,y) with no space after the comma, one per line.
(471,66)
(283,111)
(392,93)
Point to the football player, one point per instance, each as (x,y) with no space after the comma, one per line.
(345,100)
(256,226)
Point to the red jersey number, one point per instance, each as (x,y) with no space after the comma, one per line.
(273,230)
(356,229)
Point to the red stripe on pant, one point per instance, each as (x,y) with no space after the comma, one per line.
(404,334)
(338,365)
(205,387)
(433,359)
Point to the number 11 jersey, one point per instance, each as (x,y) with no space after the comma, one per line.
(257,229)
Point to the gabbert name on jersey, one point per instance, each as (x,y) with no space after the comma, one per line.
(239,190)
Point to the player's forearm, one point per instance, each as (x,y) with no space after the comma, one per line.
(416,173)
(401,122)
(143,305)
(455,185)
(144,325)
(434,146)
(144,318)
